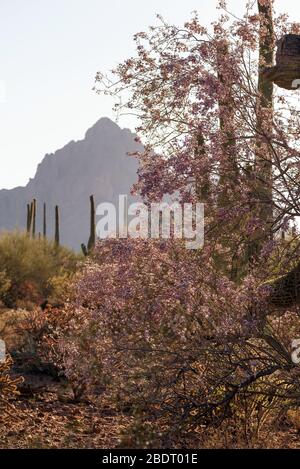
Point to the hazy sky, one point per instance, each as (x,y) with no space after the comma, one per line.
(50,51)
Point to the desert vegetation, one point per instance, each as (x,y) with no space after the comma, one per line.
(170,347)
(33,270)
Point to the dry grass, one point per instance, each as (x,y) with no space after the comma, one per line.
(49,421)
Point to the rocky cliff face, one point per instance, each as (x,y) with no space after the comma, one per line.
(97,165)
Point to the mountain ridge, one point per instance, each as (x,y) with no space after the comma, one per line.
(97,164)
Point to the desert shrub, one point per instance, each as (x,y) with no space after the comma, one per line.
(173,339)
(38,332)
(166,334)
(33,269)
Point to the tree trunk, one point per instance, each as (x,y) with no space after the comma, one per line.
(262,195)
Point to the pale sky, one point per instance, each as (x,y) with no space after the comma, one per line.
(50,51)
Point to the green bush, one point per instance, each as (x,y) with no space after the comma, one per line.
(33,270)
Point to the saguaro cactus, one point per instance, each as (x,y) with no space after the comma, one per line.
(56,225)
(84,249)
(44,221)
(92,238)
(29,215)
(34,206)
